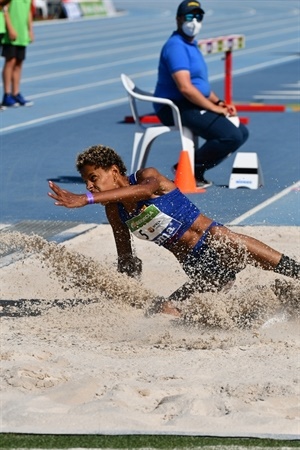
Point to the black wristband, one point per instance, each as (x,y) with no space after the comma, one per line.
(219,101)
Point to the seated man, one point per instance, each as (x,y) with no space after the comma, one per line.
(183,78)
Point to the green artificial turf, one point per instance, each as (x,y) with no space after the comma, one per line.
(50,441)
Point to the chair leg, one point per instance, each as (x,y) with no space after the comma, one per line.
(196,142)
(136,143)
(146,146)
(144,156)
(189,141)
(149,136)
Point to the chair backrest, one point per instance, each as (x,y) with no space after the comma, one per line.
(188,139)
(134,93)
(130,88)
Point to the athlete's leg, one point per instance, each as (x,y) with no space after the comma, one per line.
(262,254)
(7,75)
(16,77)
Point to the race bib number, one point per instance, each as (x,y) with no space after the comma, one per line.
(153,225)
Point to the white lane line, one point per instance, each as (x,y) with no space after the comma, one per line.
(280,25)
(122,100)
(101,53)
(292,85)
(154,71)
(276,97)
(143,47)
(111,43)
(66,114)
(117,37)
(265,64)
(258,66)
(248,69)
(265,204)
(145,57)
(98,67)
(282,92)
(81,87)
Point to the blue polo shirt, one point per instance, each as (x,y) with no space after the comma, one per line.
(179,54)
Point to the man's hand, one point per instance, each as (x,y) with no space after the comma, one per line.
(231,109)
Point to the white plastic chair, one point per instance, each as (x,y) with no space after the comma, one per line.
(145,135)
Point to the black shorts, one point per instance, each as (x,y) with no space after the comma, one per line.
(14,51)
(207,270)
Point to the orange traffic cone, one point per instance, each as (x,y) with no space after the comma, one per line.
(184,178)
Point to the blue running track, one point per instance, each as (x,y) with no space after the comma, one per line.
(72,73)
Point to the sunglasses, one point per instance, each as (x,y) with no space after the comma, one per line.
(190,17)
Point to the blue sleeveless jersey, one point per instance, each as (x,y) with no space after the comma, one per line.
(162,220)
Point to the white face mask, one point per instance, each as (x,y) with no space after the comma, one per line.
(192,28)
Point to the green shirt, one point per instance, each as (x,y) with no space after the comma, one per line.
(18,11)
(2,23)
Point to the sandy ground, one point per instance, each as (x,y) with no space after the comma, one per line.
(95,363)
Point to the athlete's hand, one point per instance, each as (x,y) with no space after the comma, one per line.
(66,198)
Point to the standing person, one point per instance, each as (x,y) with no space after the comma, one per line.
(19,33)
(183,78)
(3,9)
(151,207)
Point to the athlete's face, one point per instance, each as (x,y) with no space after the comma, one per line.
(98,179)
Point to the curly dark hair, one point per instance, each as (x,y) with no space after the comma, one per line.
(100,156)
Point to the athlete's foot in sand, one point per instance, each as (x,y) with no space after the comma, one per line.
(168,308)
(162,306)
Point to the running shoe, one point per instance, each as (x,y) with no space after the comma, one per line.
(2,107)
(22,101)
(203,183)
(9,101)
(174,168)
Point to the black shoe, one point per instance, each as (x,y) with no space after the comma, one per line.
(200,182)
(174,168)
(203,183)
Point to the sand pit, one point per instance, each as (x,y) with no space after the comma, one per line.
(94,363)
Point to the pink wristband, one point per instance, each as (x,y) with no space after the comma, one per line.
(90,198)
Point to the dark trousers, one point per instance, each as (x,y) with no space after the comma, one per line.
(221,137)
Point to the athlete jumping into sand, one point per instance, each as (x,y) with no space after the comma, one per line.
(150,206)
